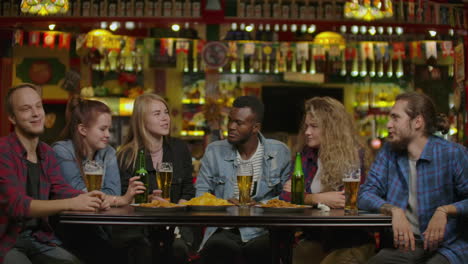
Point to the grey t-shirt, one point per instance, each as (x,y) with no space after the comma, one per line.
(412,209)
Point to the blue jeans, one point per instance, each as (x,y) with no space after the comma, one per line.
(28,250)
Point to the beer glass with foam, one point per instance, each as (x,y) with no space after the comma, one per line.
(244,181)
(351,183)
(164,179)
(93,171)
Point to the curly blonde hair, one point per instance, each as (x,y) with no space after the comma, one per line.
(340,142)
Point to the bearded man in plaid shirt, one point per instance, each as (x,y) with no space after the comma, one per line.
(31,186)
(421,181)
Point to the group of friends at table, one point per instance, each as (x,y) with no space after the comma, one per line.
(418,179)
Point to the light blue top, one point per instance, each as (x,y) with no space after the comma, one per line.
(442,179)
(65,153)
(218,175)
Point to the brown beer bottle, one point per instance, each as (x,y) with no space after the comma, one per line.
(143,174)
(297,181)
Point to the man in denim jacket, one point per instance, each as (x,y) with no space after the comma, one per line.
(218,175)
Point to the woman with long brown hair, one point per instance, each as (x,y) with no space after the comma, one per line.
(86,140)
(331,147)
(150,126)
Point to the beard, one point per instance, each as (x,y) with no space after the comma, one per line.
(401,145)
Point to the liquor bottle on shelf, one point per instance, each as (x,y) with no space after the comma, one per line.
(139,8)
(266,9)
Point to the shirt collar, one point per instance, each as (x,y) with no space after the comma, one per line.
(21,151)
(310,153)
(428,151)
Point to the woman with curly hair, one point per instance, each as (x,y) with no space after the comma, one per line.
(331,147)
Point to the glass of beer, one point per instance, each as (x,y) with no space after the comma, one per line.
(93,175)
(351,183)
(164,179)
(244,182)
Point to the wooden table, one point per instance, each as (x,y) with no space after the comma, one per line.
(234,216)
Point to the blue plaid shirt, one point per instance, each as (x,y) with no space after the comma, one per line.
(442,180)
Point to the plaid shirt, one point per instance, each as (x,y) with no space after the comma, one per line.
(14,202)
(309,157)
(442,180)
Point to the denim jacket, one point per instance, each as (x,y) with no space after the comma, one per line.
(66,157)
(218,176)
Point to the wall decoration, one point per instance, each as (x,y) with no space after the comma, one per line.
(41,71)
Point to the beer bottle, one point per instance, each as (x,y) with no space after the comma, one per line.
(143,174)
(297,182)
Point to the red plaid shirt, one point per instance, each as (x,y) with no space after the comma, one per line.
(14,202)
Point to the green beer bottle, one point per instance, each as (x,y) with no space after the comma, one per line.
(297,182)
(143,174)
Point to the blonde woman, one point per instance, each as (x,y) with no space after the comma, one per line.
(330,147)
(150,126)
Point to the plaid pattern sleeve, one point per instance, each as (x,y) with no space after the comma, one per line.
(14,202)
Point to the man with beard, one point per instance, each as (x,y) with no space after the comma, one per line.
(29,177)
(271,164)
(422,182)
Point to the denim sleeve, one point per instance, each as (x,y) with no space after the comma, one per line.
(461,182)
(111,183)
(70,170)
(205,175)
(373,190)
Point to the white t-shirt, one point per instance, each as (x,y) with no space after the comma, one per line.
(257,162)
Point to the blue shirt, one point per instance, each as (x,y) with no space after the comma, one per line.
(66,157)
(442,179)
(218,175)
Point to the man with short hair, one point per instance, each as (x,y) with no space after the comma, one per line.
(422,182)
(31,186)
(271,161)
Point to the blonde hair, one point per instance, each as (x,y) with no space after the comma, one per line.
(138,136)
(340,143)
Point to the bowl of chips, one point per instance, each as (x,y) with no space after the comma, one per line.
(207,202)
(158,206)
(276,205)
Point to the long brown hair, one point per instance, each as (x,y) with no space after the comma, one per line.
(138,136)
(340,142)
(85,112)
